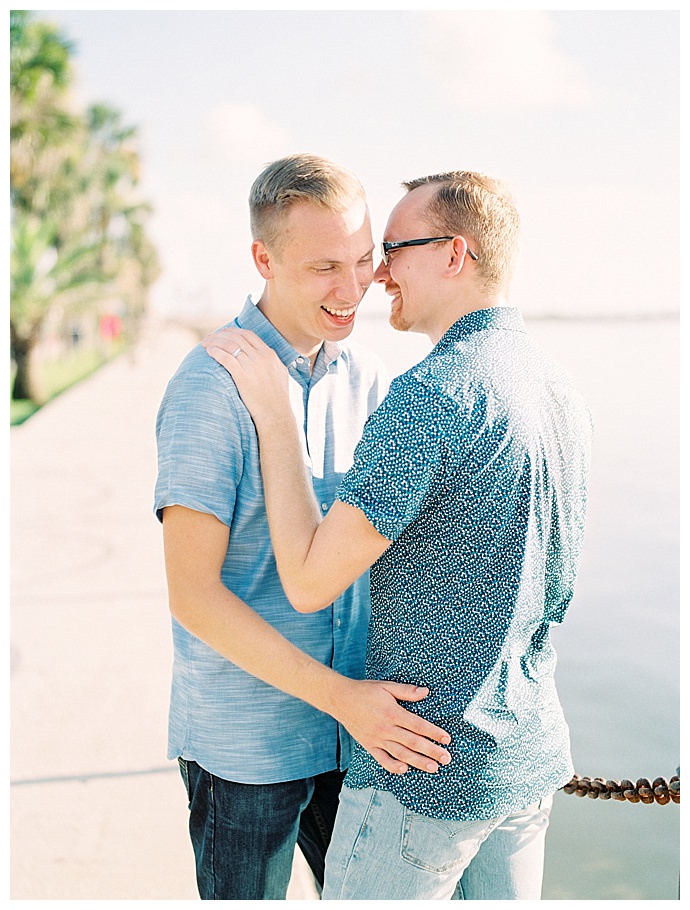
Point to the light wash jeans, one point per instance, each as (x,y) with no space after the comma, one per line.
(383,851)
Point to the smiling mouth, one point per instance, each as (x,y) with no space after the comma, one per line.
(340,314)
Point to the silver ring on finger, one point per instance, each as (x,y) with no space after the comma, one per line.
(237,352)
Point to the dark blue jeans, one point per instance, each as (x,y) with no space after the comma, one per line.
(244,835)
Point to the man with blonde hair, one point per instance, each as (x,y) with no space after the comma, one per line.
(263,698)
(467,498)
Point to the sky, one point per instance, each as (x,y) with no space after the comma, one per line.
(577,110)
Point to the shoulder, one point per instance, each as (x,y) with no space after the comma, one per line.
(200,370)
(426,385)
(199,363)
(201,385)
(412,408)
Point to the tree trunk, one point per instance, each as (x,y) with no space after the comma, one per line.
(24,385)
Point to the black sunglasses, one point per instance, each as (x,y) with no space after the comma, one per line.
(388,247)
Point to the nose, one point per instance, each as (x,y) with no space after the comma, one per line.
(382,272)
(353,285)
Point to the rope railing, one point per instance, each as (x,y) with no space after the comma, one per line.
(660,791)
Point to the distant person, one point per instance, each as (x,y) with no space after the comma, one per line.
(254,682)
(467,498)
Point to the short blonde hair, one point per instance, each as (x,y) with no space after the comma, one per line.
(293,179)
(480,208)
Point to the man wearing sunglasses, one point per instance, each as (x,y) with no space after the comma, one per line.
(467,498)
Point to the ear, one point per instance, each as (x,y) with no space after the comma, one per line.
(458,255)
(262,259)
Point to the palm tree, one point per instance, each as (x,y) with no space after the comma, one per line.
(78,226)
(42,135)
(119,214)
(40,121)
(43,277)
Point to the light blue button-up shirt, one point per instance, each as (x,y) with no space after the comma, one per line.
(229,722)
(476,467)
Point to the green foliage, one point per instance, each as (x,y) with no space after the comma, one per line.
(78,224)
(41,273)
(40,121)
(37,50)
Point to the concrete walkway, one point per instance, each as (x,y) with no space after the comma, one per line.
(97,813)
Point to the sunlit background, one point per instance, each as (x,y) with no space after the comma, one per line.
(578,111)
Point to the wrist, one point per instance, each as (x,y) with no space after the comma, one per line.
(275,420)
(334,694)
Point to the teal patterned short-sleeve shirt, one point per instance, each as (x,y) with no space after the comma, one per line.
(475,466)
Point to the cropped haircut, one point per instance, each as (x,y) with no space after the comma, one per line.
(482,210)
(298,178)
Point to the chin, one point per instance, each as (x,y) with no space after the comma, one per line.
(398,323)
(338,335)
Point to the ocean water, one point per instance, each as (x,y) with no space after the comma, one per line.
(618,669)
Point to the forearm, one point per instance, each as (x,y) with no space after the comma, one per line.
(292,510)
(317,560)
(195,546)
(228,625)
(368,709)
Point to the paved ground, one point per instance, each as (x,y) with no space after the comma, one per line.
(97,813)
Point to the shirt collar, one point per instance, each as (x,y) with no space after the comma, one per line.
(253,319)
(330,350)
(498,317)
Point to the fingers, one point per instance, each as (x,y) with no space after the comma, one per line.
(422,727)
(406,691)
(229,345)
(402,748)
(398,758)
(229,339)
(413,722)
(242,352)
(219,340)
(388,762)
(419,751)
(224,357)
(403,756)
(396,737)
(415,741)
(238,350)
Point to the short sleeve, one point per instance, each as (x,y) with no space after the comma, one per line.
(199,432)
(398,461)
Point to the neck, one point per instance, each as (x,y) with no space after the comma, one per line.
(301,343)
(457,309)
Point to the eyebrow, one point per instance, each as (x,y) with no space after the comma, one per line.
(369,254)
